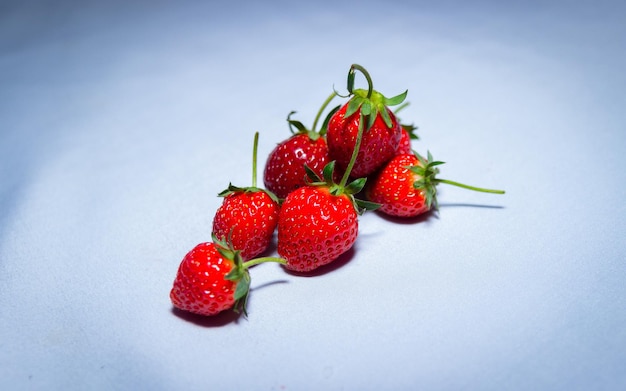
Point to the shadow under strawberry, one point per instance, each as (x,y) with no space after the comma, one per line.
(419,219)
(218,320)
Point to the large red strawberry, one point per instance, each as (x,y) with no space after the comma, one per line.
(247,216)
(406,186)
(284,169)
(318,222)
(382,132)
(212,278)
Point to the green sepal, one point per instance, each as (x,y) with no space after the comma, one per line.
(353,105)
(230,190)
(355,186)
(363,205)
(243,285)
(300,128)
(396,100)
(329,172)
(312,175)
(332,112)
(251,189)
(427,170)
(410,129)
(385,116)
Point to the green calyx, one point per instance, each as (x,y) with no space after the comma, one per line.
(297,127)
(427,170)
(232,189)
(370,102)
(239,273)
(339,189)
(250,189)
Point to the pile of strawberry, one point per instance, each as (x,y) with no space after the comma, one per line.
(317,183)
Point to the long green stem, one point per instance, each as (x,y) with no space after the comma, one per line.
(370,85)
(254,156)
(257,261)
(355,152)
(321,110)
(453,183)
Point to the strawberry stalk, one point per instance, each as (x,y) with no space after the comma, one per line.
(371,102)
(321,110)
(428,170)
(474,188)
(313,133)
(355,152)
(257,261)
(255,147)
(239,273)
(234,189)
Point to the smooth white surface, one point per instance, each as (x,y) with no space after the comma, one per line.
(119,124)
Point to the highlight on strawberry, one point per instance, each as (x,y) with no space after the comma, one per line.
(247,215)
(212,277)
(382,131)
(407,185)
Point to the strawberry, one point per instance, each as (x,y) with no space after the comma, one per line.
(318,222)
(408,133)
(212,278)
(247,216)
(382,132)
(284,169)
(406,186)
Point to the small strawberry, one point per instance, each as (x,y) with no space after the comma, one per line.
(406,186)
(408,133)
(212,278)
(382,131)
(284,169)
(247,216)
(318,222)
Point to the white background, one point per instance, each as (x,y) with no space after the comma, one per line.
(121,121)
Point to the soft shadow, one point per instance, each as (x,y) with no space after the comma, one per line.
(219,320)
(465,205)
(431,214)
(340,262)
(224,317)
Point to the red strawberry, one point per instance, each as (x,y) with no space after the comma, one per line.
(247,216)
(408,133)
(212,278)
(368,108)
(405,141)
(284,169)
(318,222)
(406,186)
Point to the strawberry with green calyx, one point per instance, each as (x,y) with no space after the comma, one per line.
(284,169)
(408,133)
(248,215)
(406,186)
(382,132)
(319,222)
(212,278)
